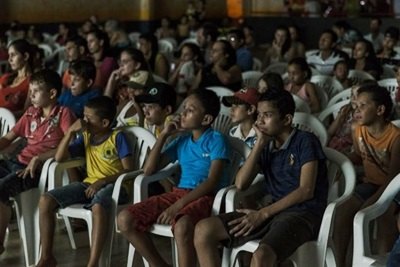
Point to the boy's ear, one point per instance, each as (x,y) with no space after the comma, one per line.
(207,120)
(380,110)
(251,110)
(89,83)
(168,109)
(53,93)
(288,119)
(106,123)
(137,65)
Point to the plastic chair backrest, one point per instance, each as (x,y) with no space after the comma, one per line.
(277,67)
(257,64)
(390,85)
(344,95)
(310,123)
(159,79)
(222,123)
(358,76)
(387,73)
(250,78)
(7,121)
(329,84)
(331,110)
(301,105)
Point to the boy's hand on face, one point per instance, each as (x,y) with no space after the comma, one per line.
(94,188)
(173,126)
(77,126)
(262,138)
(30,169)
(116,74)
(244,225)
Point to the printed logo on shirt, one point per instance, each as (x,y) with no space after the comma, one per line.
(205,155)
(33,126)
(291,160)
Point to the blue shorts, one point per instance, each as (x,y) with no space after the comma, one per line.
(364,191)
(10,184)
(74,193)
(394,257)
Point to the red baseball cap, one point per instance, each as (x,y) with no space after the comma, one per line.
(243,96)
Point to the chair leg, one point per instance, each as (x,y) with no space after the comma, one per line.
(27,214)
(174,248)
(131,255)
(105,258)
(69,231)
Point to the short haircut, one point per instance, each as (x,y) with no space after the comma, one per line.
(47,79)
(102,36)
(209,100)
(380,96)
(104,106)
(392,32)
(303,65)
(273,80)
(340,62)
(210,29)
(332,33)
(281,99)
(83,68)
(79,41)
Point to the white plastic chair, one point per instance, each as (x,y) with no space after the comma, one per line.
(27,212)
(327,83)
(134,38)
(310,123)
(277,67)
(387,72)
(140,140)
(222,123)
(257,64)
(362,253)
(344,95)
(316,253)
(239,151)
(301,105)
(7,121)
(390,85)
(221,92)
(396,123)
(358,76)
(159,79)
(48,51)
(331,110)
(250,78)
(310,52)
(166,47)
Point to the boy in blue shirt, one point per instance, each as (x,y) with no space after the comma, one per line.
(108,155)
(202,154)
(293,164)
(82,75)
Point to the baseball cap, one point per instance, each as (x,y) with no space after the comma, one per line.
(160,93)
(137,80)
(243,96)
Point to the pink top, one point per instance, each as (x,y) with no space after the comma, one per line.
(108,65)
(13,98)
(42,135)
(302,93)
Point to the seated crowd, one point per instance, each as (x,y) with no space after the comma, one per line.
(78,104)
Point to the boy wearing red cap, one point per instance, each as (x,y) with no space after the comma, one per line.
(243,113)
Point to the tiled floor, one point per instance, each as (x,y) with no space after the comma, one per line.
(67,257)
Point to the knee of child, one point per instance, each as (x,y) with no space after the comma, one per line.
(264,253)
(184,228)
(47,203)
(124,221)
(202,233)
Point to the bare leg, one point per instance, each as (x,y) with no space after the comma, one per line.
(387,231)
(99,233)
(140,240)
(183,233)
(47,207)
(264,256)
(5,216)
(342,236)
(208,233)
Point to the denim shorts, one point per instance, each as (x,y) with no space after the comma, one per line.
(364,191)
(74,193)
(394,257)
(10,183)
